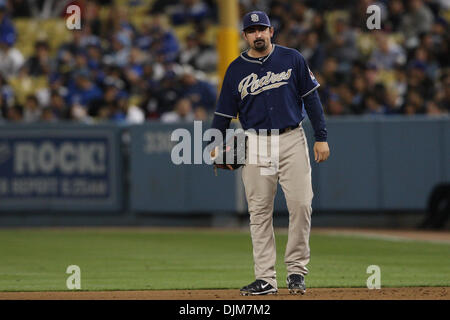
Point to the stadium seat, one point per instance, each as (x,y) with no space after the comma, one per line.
(211,35)
(104,13)
(138,20)
(55,32)
(181,32)
(365,43)
(24,86)
(31,30)
(332,16)
(26,35)
(387,77)
(135,100)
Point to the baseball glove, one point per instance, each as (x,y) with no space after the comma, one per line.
(231,155)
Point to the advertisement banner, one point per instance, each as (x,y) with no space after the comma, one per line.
(62,168)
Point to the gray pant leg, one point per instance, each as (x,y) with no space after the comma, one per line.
(295,179)
(260,192)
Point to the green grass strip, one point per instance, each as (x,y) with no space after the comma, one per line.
(37,259)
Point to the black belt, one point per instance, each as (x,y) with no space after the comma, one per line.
(280,131)
(289,128)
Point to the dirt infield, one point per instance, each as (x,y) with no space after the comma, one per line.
(409,293)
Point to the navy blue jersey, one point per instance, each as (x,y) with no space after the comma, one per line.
(267,93)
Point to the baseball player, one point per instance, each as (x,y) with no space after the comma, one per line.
(271,87)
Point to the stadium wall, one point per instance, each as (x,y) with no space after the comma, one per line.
(123,175)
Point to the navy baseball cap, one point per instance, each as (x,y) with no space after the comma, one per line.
(255,18)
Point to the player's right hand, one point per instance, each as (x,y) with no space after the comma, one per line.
(213,154)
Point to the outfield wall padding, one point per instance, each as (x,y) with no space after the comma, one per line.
(376,163)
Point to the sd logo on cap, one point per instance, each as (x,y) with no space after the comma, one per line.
(255,18)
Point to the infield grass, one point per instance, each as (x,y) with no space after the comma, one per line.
(114,259)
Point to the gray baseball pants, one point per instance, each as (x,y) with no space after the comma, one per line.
(291,167)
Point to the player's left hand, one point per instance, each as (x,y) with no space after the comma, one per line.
(321,151)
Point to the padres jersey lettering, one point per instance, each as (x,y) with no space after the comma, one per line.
(269,81)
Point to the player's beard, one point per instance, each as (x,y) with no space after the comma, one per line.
(259,45)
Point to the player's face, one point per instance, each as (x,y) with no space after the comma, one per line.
(258,37)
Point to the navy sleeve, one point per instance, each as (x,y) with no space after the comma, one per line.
(307,83)
(220,123)
(227,105)
(315,113)
(226,109)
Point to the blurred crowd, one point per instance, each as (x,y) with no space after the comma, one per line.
(114,69)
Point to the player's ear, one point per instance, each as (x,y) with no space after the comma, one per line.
(271,30)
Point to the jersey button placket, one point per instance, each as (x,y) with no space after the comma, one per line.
(262,74)
(267,93)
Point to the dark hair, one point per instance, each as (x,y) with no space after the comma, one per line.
(41,43)
(18,108)
(32,97)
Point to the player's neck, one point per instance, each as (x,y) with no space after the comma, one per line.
(258,54)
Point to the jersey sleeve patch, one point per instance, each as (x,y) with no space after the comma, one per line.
(311,75)
(307,82)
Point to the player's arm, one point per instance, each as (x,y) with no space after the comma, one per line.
(314,109)
(220,123)
(226,110)
(315,113)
